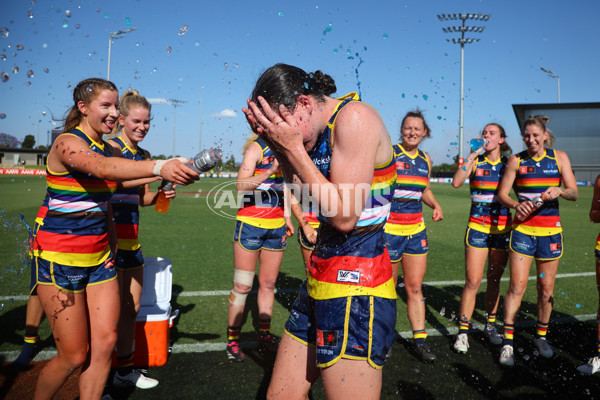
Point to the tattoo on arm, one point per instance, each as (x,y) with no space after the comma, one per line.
(569,194)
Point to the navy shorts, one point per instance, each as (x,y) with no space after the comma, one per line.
(411,245)
(129,259)
(356,327)
(303,241)
(70,278)
(481,240)
(253,238)
(538,247)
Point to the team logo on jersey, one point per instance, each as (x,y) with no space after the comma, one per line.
(348,276)
(402,165)
(526,170)
(482,172)
(555,246)
(268,160)
(327,338)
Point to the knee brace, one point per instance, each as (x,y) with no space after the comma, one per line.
(242,277)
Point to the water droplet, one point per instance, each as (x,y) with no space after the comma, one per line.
(577,305)
(77,26)
(2,116)
(385,35)
(425,97)
(183,30)
(19,47)
(197,43)
(68,13)
(28,83)
(30,14)
(44,45)
(3,57)
(403,95)
(542,275)
(106,16)
(65,24)
(127,21)
(453,143)
(30,74)
(439,117)
(15,70)
(335,51)
(4,76)
(4,33)
(281,13)
(46,70)
(169,49)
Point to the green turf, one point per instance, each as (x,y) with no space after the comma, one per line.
(199,244)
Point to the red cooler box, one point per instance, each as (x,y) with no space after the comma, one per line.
(155,318)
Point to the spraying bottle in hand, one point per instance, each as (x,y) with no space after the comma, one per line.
(202,162)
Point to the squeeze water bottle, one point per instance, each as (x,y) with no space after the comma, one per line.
(202,162)
(477,143)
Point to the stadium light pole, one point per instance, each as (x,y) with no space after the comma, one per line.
(114,36)
(462,41)
(42,113)
(175,103)
(200,140)
(553,75)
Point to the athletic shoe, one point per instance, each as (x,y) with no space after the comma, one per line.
(424,353)
(492,334)
(462,343)
(234,353)
(134,378)
(267,342)
(543,347)
(507,357)
(592,366)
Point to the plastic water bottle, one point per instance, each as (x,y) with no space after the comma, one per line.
(202,162)
(477,143)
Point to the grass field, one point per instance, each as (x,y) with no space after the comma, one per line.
(199,244)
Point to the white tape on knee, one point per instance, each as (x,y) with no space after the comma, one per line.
(243,277)
(237,299)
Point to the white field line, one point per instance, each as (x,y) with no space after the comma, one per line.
(206,347)
(10,356)
(207,293)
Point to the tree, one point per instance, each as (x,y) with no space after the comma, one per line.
(9,141)
(230,164)
(28,142)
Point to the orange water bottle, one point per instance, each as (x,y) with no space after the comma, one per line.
(162,203)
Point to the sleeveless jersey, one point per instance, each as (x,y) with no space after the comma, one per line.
(598,243)
(74,230)
(356,263)
(487,214)
(406,216)
(533,177)
(263,207)
(125,203)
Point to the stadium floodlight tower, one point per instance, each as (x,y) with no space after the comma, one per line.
(462,41)
(175,103)
(114,36)
(553,75)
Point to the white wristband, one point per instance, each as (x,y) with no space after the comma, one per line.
(158,166)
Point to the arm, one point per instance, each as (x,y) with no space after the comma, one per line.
(467,169)
(307,229)
(569,192)
(595,209)
(523,208)
(72,153)
(246,179)
(429,198)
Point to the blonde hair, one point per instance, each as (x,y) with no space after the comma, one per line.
(541,121)
(249,141)
(128,99)
(85,91)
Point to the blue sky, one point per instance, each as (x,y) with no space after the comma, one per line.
(398,48)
